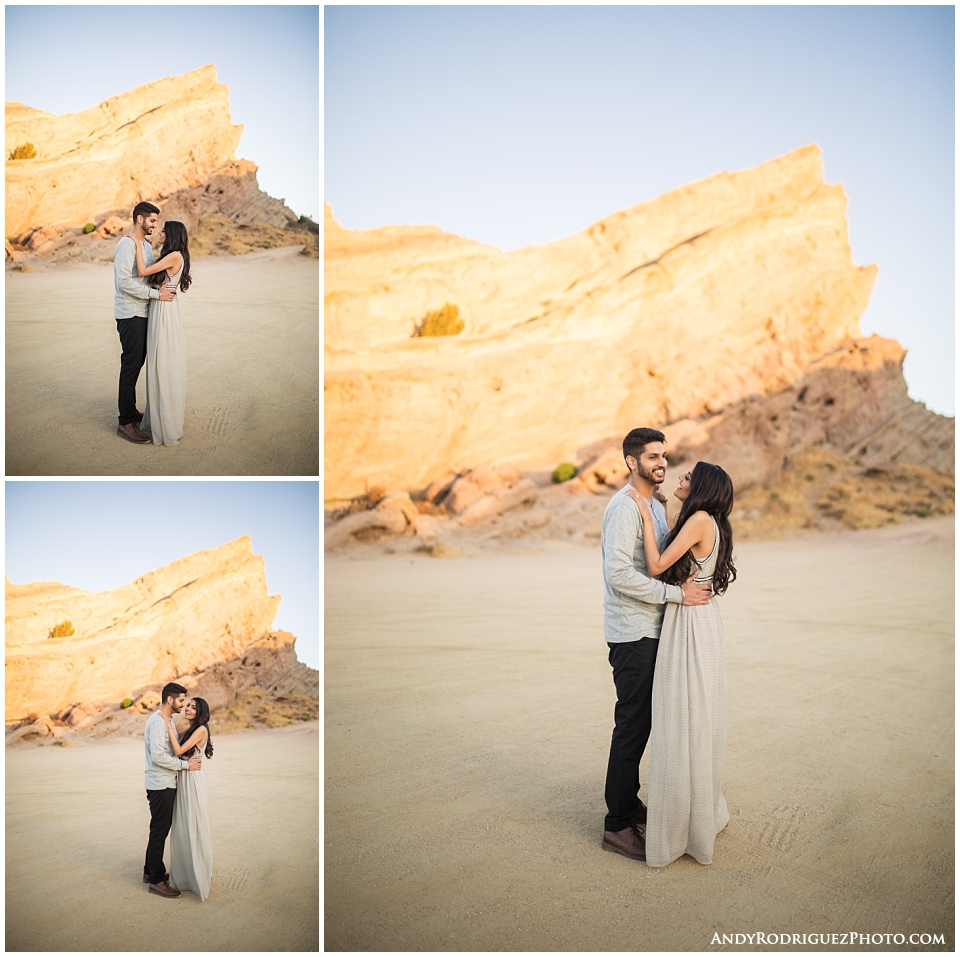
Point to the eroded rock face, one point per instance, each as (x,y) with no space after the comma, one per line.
(852,401)
(181,619)
(231,191)
(677,308)
(149,142)
(270,664)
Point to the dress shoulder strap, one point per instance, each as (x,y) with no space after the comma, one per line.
(716,544)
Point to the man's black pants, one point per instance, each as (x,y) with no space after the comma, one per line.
(133,341)
(633,663)
(161,817)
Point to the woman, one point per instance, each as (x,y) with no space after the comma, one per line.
(191,856)
(166,351)
(687,809)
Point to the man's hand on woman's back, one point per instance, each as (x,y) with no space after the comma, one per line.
(695,594)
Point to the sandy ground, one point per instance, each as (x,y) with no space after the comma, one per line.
(468,712)
(76,831)
(251,325)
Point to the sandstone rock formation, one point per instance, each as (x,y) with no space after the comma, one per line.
(207,616)
(170,142)
(152,141)
(674,309)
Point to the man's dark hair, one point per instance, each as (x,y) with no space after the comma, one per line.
(172,688)
(144,210)
(638,439)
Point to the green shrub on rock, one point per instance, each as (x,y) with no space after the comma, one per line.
(64,630)
(564,472)
(443,322)
(126,703)
(89,228)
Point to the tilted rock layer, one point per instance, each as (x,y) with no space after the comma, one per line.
(677,308)
(152,141)
(170,143)
(183,619)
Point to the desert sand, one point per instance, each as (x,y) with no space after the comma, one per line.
(76,831)
(469,706)
(251,325)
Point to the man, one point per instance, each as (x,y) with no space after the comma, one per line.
(161,766)
(633,608)
(130,306)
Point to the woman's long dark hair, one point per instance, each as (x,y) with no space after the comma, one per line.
(174,240)
(711,491)
(201,718)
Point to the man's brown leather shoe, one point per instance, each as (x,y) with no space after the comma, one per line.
(164,890)
(640,815)
(146,878)
(132,433)
(626,842)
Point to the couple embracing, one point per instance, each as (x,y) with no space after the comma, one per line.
(666,649)
(177,795)
(147,311)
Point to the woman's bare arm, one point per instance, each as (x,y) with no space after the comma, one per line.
(170,261)
(198,737)
(696,529)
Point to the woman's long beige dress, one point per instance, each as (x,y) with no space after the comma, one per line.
(686,807)
(191,854)
(166,370)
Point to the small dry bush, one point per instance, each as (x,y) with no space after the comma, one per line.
(426,507)
(362,503)
(370,499)
(64,630)
(437,550)
(443,322)
(26,151)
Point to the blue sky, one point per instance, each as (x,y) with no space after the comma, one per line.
(100,535)
(64,59)
(521,125)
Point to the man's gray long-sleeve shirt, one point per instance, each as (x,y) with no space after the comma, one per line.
(160,763)
(132,292)
(633,601)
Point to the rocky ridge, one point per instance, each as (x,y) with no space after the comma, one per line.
(675,309)
(171,143)
(205,620)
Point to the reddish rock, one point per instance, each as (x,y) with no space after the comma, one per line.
(462,493)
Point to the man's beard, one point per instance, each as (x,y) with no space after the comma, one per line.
(649,476)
